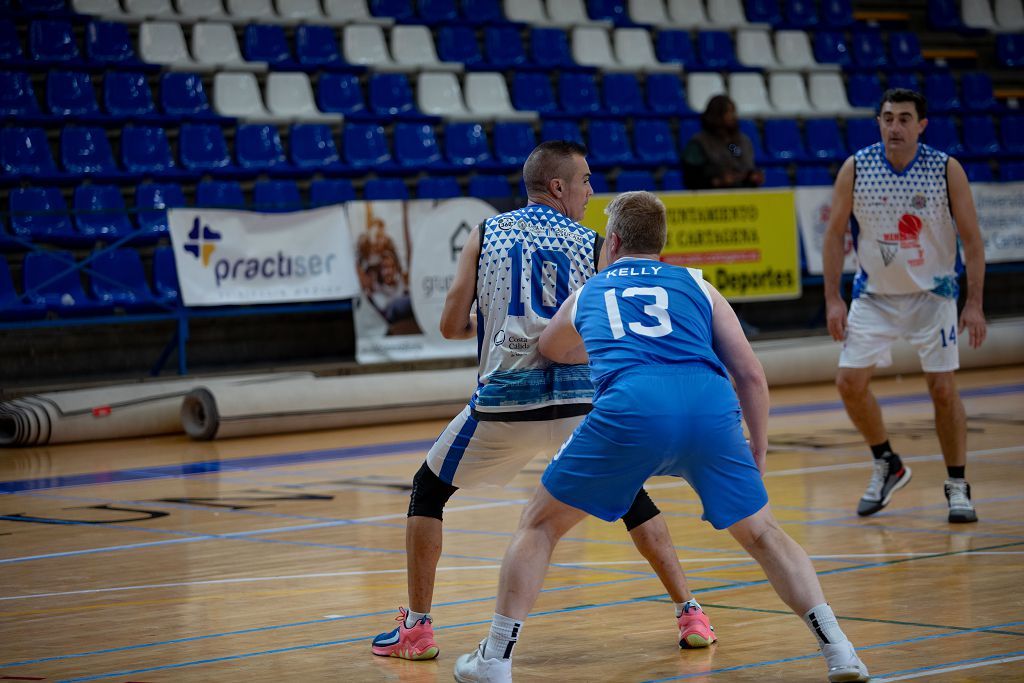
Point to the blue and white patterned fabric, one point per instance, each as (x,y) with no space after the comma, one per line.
(903,231)
(531,260)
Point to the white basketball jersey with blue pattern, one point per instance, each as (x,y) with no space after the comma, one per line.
(902,228)
(531,260)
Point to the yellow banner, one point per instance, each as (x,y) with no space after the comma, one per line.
(745,242)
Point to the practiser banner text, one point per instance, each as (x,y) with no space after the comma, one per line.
(745,242)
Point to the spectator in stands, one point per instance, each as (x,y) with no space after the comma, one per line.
(720,155)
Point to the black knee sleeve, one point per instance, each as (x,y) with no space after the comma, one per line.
(429,494)
(642,509)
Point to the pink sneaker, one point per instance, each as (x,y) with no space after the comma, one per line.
(407,643)
(694,628)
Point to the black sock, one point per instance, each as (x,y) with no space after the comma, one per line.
(955,471)
(881,449)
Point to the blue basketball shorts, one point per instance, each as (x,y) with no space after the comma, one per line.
(683,421)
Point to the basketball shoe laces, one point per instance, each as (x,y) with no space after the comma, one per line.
(957,492)
(878,478)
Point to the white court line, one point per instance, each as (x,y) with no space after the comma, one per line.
(947,669)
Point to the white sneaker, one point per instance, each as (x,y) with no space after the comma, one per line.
(470,668)
(843,663)
(958,494)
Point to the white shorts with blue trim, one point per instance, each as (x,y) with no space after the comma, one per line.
(473,452)
(927,321)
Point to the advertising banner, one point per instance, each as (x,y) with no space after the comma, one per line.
(813,206)
(1001,217)
(242,257)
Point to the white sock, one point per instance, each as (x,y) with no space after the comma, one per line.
(681,606)
(823,625)
(503,637)
(412,617)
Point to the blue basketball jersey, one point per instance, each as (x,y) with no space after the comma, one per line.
(639,312)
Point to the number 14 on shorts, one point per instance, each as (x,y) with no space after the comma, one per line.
(948,338)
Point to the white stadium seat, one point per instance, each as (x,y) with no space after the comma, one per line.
(750,94)
(163,42)
(701,87)
(290,96)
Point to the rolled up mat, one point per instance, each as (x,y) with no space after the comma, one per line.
(111,412)
(293,405)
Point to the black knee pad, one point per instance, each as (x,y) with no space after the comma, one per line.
(429,494)
(642,509)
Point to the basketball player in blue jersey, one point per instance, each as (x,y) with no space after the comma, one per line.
(661,344)
(909,203)
(517,268)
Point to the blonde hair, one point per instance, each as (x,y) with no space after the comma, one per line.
(638,218)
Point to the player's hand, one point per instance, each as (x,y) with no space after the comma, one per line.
(760,453)
(973,318)
(835,317)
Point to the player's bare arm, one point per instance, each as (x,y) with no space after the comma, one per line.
(962,205)
(832,255)
(560,341)
(457,321)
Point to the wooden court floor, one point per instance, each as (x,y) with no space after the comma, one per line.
(278,558)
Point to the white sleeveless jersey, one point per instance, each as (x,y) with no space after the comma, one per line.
(531,260)
(902,228)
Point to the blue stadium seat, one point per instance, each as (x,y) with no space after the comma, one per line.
(437,11)
(943,134)
(17,97)
(220,194)
(905,50)
(267,43)
(165,276)
(608,143)
(485,186)
(665,95)
(944,15)
(801,14)
(416,146)
(144,149)
(117,278)
(629,181)
(560,130)
(39,214)
(813,175)
(52,280)
(830,48)
(328,191)
(868,50)
(311,146)
(53,40)
(599,183)
(1010,171)
(100,212)
(43,6)
(201,147)
(10,44)
(976,87)
(503,46)
(674,46)
(317,46)
(532,91)
(940,91)
(578,93)
(438,187)
(258,147)
(1012,134)
(276,196)
(377,189)
(366,145)
(836,13)
(672,180)
(861,133)
(401,10)
(763,12)
(127,93)
(513,142)
(622,96)
(782,140)
(458,43)
(824,141)
(549,47)
(1010,49)
(750,129)
(980,135)
(86,151)
(152,201)
(70,93)
(903,79)
(654,142)
(482,11)
(183,94)
(108,42)
(609,10)
(12,306)
(466,145)
(717,52)
(340,93)
(391,95)
(690,127)
(864,89)
(776,176)
(979,172)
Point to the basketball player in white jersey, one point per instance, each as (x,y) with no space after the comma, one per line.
(518,267)
(909,203)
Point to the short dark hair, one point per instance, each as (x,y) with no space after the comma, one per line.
(548,161)
(639,219)
(714,112)
(905,95)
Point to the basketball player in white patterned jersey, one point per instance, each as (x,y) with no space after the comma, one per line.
(909,203)
(518,268)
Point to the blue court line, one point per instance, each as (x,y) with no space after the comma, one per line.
(931,667)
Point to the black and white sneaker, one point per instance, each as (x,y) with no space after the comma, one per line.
(881,487)
(961,509)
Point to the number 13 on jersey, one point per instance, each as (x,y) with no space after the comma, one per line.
(657,311)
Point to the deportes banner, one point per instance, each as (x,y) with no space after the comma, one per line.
(813,207)
(1001,217)
(745,242)
(406,257)
(242,257)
